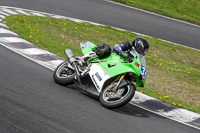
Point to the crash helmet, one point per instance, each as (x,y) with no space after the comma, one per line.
(141,45)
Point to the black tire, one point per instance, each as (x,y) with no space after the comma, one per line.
(130,92)
(63,75)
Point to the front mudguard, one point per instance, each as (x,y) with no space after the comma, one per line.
(124,83)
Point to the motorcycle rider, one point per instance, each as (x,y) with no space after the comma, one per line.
(103,50)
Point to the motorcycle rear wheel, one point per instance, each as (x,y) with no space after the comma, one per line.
(111,102)
(63,75)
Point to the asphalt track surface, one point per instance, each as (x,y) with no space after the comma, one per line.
(107,13)
(31,102)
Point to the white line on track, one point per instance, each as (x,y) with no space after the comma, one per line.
(34,51)
(7,31)
(1,24)
(165,116)
(152,13)
(6,14)
(38,14)
(26,56)
(9,11)
(1,16)
(22,12)
(13,39)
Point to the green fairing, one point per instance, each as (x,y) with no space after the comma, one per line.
(123,66)
(115,65)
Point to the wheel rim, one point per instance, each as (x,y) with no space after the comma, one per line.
(63,71)
(111,97)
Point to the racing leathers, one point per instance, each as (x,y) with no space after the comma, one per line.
(121,50)
(104,50)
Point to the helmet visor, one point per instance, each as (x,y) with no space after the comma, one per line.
(139,48)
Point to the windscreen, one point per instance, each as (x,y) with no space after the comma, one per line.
(143,67)
(142,59)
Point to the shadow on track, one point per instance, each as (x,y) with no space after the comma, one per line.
(128,109)
(133,110)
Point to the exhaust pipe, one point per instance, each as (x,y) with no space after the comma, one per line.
(72,60)
(70,55)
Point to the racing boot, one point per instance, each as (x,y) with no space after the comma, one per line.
(88,57)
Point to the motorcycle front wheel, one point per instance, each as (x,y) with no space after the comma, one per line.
(110,99)
(63,75)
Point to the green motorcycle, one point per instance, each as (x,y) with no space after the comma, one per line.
(113,78)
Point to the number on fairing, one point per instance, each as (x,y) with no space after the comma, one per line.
(143,72)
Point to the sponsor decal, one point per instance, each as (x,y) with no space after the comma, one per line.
(98,76)
(84,45)
(138,65)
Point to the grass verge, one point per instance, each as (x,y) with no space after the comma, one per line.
(173,71)
(186,10)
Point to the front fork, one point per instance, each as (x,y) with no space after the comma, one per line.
(115,89)
(77,72)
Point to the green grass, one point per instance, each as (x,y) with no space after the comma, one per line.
(187,10)
(172,70)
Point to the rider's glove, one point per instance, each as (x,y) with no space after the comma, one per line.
(125,46)
(117,49)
